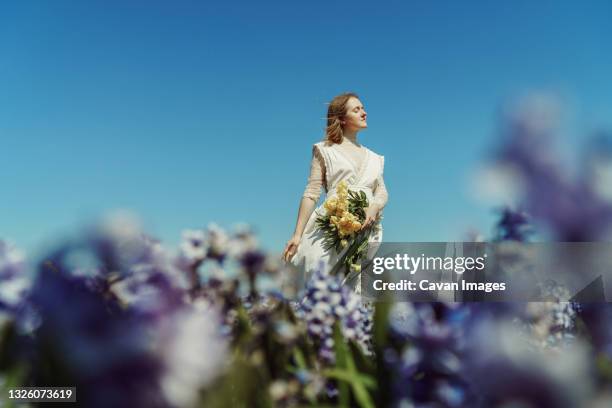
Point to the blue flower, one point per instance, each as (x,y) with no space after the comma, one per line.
(326,302)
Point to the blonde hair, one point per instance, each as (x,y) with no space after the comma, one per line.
(336,112)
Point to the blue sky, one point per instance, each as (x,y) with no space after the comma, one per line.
(193,112)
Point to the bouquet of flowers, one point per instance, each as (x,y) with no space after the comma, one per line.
(342,227)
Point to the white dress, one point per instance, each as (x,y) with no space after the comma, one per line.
(338,167)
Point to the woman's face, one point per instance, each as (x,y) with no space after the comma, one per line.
(355,118)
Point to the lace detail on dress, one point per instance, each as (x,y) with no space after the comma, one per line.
(317,179)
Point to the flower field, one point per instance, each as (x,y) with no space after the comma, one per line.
(216,323)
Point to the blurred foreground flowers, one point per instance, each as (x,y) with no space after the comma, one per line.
(214,323)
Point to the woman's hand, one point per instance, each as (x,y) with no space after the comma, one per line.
(291,248)
(371,216)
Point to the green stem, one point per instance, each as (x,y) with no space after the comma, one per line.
(359,240)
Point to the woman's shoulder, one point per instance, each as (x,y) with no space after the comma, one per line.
(374,153)
(319,149)
(379,157)
(322,144)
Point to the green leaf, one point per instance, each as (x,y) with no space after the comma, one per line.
(341,357)
(299,358)
(381,324)
(345,375)
(346,368)
(244,385)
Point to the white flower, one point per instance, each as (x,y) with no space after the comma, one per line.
(217,241)
(194,354)
(13,281)
(193,246)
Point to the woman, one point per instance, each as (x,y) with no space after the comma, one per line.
(339,157)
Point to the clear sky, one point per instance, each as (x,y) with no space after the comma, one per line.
(193,112)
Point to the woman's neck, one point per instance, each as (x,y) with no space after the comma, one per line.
(351,137)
